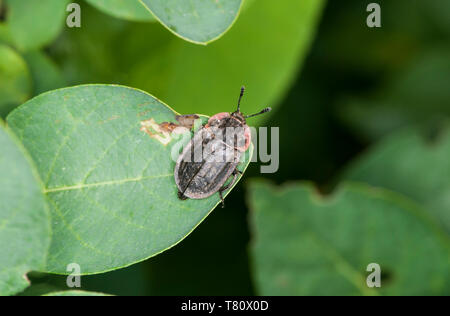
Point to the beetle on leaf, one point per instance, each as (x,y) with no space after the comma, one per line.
(212,156)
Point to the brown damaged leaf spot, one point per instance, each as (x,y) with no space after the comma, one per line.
(168,126)
(162,132)
(187,120)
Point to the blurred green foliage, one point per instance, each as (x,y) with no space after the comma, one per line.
(406,162)
(15,80)
(24,29)
(74,293)
(359,87)
(129,10)
(305,244)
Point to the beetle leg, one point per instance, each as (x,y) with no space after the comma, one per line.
(181,196)
(229,185)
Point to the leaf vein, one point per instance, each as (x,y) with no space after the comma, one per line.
(105,183)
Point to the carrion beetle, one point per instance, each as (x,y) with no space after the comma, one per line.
(212,156)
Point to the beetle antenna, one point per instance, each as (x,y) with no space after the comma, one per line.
(240,98)
(262,112)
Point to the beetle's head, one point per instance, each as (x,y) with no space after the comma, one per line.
(238,114)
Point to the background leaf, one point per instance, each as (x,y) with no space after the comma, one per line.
(24,217)
(130,9)
(4,34)
(132,280)
(109,185)
(197,21)
(405,162)
(35,23)
(417,95)
(15,80)
(305,244)
(75,293)
(46,75)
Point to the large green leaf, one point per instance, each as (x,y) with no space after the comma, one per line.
(132,10)
(305,244)
(24,216)
(110,186)
(197,21)
(35,23)
(15,80)
(404,162)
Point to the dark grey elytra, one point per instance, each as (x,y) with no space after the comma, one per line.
(219,161)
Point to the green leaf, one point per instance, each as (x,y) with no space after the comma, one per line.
(46,75)
(196,21)
(35,23)
(75,293)
(406,163)
(132,10)
(15,81)
(110,186)
(305,244)
(24,216)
